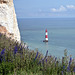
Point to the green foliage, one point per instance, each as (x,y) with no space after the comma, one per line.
(6,67)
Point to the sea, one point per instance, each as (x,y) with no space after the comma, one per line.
(61,35)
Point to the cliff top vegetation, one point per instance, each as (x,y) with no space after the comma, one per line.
(15,59)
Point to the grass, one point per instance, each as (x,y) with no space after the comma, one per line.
(17,60)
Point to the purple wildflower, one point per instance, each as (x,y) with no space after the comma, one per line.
(36,56)
(46,54)
(63,67)
(70,59)
(43,61)
(70,62)
(15,50)
(46,60)
(62,60)
(68,68)
(50,56)
(62,73)
(2,52)
(55,58)
(21,47)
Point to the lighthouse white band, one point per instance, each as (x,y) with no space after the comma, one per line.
(46,38)
(46,33)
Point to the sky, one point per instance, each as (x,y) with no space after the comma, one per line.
(45,8)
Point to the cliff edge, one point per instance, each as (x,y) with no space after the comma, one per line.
(8,21)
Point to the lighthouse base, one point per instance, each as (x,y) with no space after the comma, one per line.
(45,40)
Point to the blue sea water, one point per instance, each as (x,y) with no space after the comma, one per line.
(61,35)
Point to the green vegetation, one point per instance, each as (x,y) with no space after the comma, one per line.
(16,60)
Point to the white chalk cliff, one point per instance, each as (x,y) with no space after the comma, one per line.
(8,19)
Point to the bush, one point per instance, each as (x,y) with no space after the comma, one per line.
(15,59)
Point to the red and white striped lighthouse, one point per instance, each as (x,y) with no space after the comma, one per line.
(46,36)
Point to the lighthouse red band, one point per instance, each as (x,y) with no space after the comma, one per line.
(46,36)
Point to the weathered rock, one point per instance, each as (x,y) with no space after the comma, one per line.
(4,31)
(8,19)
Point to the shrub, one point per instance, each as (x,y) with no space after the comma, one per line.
(15,59)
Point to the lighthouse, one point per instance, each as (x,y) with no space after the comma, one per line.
(46,36)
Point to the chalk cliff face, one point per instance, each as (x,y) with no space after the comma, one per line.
(8,20)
